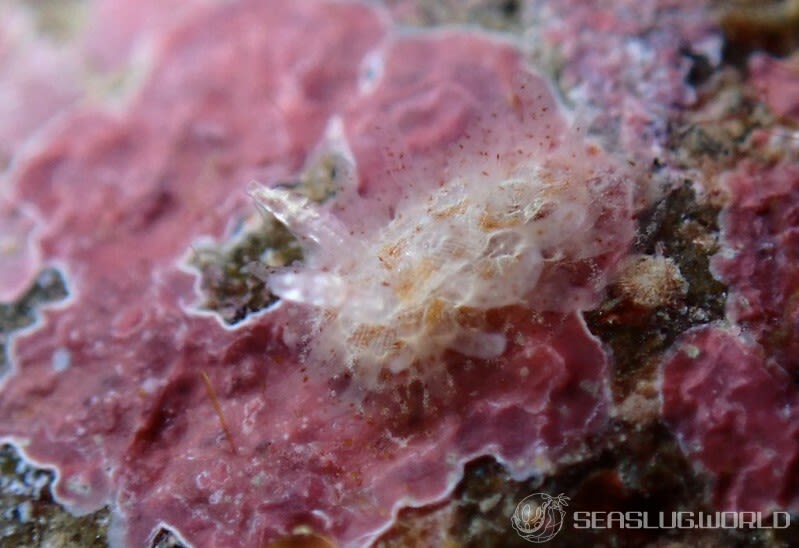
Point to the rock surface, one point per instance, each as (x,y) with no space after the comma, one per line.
(300,388)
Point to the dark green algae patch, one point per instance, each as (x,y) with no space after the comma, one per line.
(49,287)
(232,274)
(228,282)
(685,231)
(29,517)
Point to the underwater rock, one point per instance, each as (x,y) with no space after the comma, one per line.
(242,434)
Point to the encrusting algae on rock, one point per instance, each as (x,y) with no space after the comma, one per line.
(440,288)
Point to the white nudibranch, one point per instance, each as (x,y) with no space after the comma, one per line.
(401,295)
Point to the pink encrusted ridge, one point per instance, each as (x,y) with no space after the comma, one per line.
(124,200)
(759,258)
(626,63)
(43,78)
(735,413)
(321,453)
(39,78)
(729,394)
(19,255)
(107,387)
(118,30)
(777,80)
(38,82)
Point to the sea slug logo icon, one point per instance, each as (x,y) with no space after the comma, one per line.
(539,517)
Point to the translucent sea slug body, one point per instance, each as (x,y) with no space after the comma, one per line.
(402,295)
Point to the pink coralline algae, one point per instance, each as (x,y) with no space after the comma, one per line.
(37,79)
(730,394)
(447,133)
(760,257)
(20,258)
(734,412)
(626,63)
(778,81)
(118,30)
